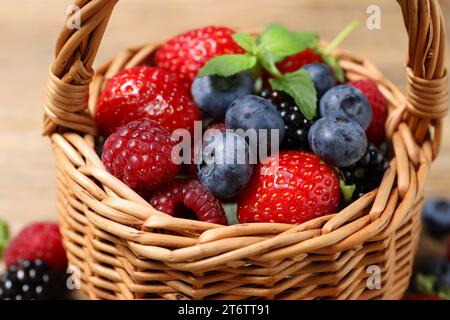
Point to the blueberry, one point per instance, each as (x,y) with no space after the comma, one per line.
(214,94)
(436,217)
(252,113)
(322,76)
(347,102)
(226,168)
(436,266)
(338,141)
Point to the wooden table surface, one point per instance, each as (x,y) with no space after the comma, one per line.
(28,33)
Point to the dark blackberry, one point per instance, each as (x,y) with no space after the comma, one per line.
(100,143)
(296,125)
(26,280)
(367,173)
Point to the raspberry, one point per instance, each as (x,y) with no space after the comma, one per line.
(38,241)
(146,92)
(194,196)
(140,154)
(376,131)
(25,280)
(297,61)
(187,53)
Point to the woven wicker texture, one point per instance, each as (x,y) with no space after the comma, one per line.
(126,249)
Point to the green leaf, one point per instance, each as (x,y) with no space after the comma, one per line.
(4,236)
(301,88)
(245,41)
(267,60)
(281,42)
(347,190)
(230,209)
(444,293)
(228,65)
(425,283)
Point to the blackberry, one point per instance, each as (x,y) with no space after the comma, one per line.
(99,144)
(296,125)
(367,173)
(26,280)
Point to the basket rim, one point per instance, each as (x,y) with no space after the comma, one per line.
(137,54)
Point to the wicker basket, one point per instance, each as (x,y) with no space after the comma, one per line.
(127,250)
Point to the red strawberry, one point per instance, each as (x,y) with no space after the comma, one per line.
(376,132)
(38,241)
(298,188)
(297,61)
(187,53)
(146,92)
(194,196)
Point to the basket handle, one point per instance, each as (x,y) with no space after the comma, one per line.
(66,102)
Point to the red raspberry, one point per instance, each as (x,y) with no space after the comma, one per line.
(297,61)
(194,196)
(140,154)
(376,132)
(146,92)
(187,53)
(38,241)
(299,188)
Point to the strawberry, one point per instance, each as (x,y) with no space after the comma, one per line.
(146,92)
(38,241)
(375,132)
(297,61)
(187,53)
(298,188)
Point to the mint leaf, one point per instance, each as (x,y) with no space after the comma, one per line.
(347,190)
(245,41)
(228,65)
(301,88)
(230,209)
(4,236)
(281,42)
(268,62)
